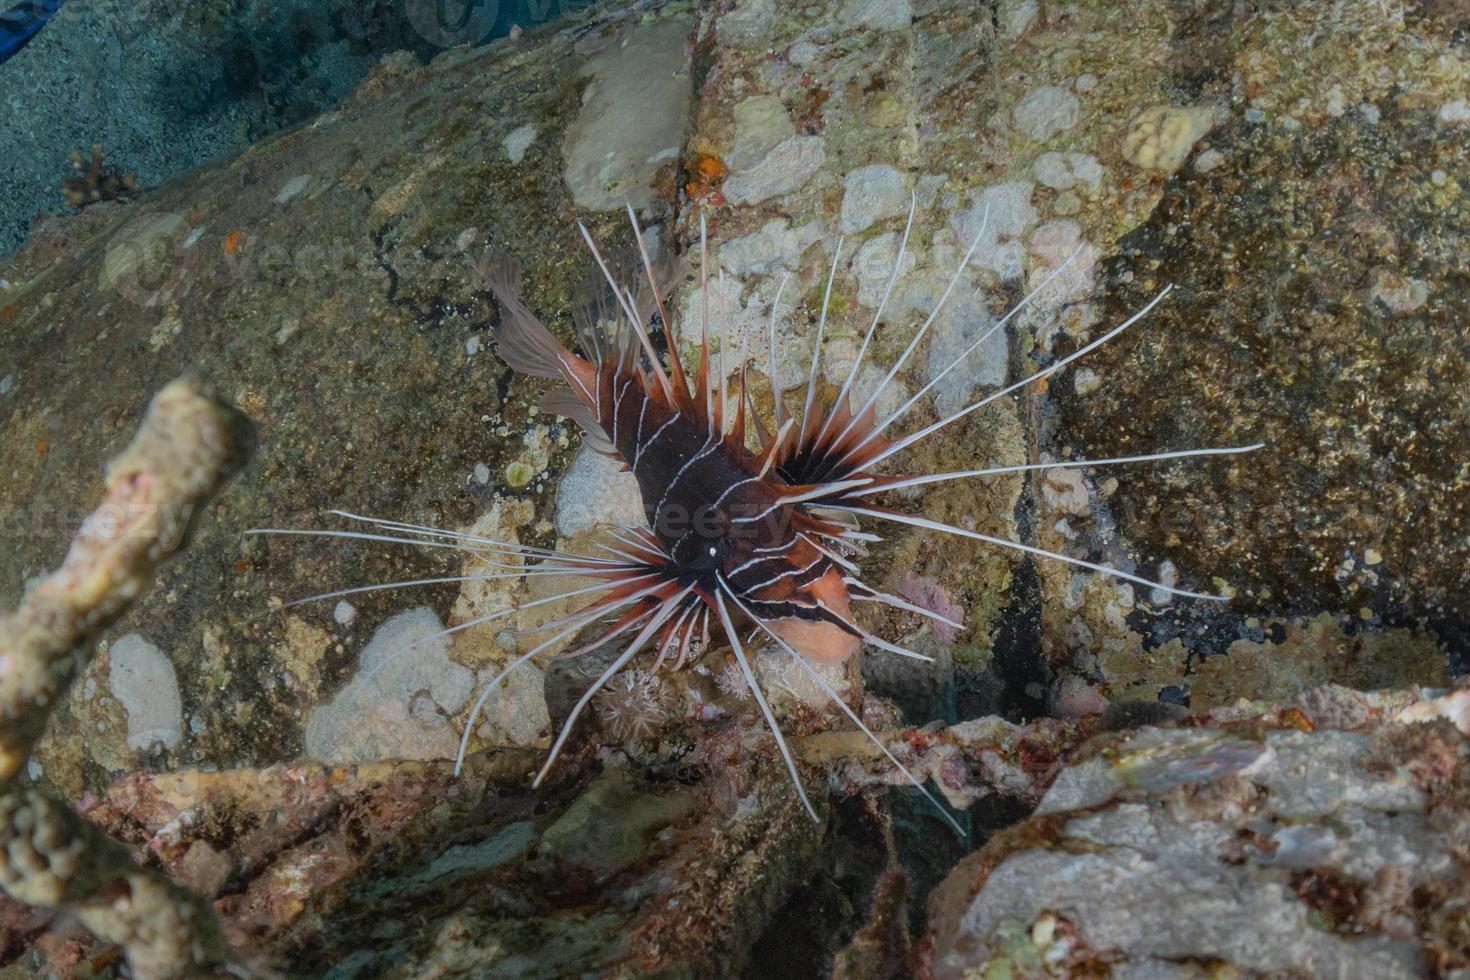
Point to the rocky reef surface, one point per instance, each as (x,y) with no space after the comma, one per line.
(1296,173)
(1325,836)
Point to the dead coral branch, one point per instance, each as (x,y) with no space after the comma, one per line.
(96,181)
(185,449)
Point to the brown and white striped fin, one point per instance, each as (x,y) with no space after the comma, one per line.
(562,401)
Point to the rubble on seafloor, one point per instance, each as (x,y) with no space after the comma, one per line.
(1300,837)
(1325,836)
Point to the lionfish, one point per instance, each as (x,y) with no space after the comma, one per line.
(760,538)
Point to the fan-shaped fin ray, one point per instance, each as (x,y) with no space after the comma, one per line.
(563,401)
(525,343)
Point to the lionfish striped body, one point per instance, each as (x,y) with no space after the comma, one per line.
(760,537)
(723,522)
(717,510)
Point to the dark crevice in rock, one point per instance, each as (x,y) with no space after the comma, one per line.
(826,912)
(1017,651)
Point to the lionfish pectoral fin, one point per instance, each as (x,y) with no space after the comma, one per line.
(564,401)
(817,640)
(525,343)
(823,640)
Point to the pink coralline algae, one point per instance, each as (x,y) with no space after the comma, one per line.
(923,590)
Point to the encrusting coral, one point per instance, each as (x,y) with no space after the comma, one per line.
(188,445)
(95,181)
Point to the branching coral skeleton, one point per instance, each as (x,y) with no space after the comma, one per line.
(763,538)
(186,448)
